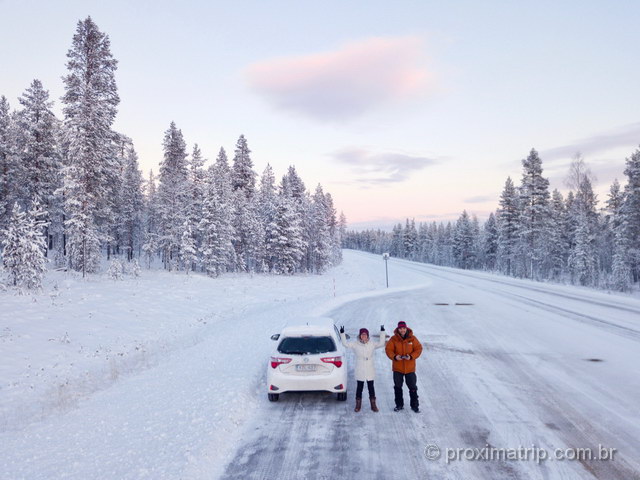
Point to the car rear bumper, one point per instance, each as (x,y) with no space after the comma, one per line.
(304,383)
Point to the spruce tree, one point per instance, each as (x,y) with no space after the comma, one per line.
(508,227)
(631,212)
(132,207)
(91,101)
(321,238)
(534,219)
(5,124)
(173,195)
(243,176)
(24,247)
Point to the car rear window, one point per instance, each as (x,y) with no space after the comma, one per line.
(306,345)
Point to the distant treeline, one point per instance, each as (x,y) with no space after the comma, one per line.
(534,233)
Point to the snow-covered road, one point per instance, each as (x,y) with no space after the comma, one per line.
(507,364)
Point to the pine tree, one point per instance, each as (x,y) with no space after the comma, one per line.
(410,240)
(151,241)
(463,247)
(294,188)
(215,227)
(187,247)
(132,207)
(36,146)
(558,237)
(582,260)
(5,124)
(490,242)
(332,221)
(267,211)
(508,227)
(90,102)
(173,195)
(534,216)
(397,245)
(24,247)
(289,248)
(321,238)
(243,176)
(617,241)
(197,180)
(631,213)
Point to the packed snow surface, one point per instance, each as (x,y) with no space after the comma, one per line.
(164,377)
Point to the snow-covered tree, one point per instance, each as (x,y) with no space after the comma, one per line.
(91,101)
(38,159)
(132,207)
(172,195)
(5,123)
(583,261)
(558,241)
(616,242)
(490,242)
(215,227)
(321,241)
(464,240)
(533,225)
(188,254)
(508,226)
(267,209)
(289,248)
(242,175)
(410,240)
(630,212)
(24,247)
(151,243)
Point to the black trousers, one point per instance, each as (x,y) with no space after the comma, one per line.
(360,387)
(412,380)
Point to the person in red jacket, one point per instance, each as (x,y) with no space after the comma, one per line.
(403,349)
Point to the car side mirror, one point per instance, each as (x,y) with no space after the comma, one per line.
(275,336)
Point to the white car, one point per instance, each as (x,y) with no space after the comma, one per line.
(308,357)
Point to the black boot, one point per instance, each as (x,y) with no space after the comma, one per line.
(415,406)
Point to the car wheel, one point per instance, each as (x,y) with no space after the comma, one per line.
(342,396)
(273,397)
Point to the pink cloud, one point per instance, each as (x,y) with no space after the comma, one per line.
(346,82)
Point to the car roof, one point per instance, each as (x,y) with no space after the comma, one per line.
(309,326)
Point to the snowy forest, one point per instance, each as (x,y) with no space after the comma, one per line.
(534,233)
(72,195)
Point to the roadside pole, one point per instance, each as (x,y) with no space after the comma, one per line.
(385,256)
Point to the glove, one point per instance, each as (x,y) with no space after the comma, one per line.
(342,329)
(382,328)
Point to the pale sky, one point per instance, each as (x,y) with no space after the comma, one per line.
(400,109)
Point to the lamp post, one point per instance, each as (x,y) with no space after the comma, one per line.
(385,256)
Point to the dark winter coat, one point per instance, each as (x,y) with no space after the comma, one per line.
(409,345)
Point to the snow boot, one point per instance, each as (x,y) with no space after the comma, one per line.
(397,409)
(374,407)
(358,405)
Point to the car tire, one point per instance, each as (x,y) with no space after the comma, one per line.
(273,397)
(342,396)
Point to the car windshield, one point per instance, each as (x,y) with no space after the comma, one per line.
(306,345)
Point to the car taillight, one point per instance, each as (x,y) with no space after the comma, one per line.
(337,361)
(275,361)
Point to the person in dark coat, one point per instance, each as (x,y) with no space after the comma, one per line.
(403,348)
